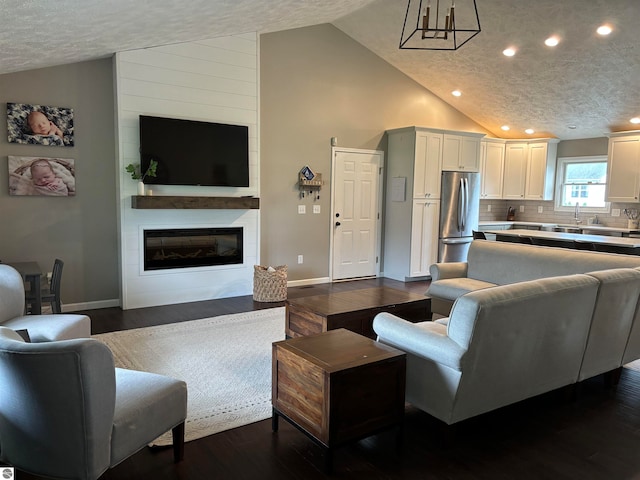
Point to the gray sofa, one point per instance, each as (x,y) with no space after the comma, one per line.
(41,328)
(504,344)
(500,263)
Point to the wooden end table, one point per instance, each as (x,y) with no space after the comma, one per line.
(338,387)
(353,310)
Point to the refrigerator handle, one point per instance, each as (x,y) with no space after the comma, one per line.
(466,204)
(455,241)
(460,212)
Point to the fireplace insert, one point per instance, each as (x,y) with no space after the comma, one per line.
(192,247)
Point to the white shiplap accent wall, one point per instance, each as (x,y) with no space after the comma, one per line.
(213,80)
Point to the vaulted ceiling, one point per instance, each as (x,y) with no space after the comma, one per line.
(585,87)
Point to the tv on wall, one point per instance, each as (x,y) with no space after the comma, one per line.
(191,152)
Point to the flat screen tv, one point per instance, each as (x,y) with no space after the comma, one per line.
(191,152)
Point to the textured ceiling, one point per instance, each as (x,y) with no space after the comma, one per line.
(586,81)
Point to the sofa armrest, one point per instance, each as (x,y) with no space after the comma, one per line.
(428,340)
(441,271)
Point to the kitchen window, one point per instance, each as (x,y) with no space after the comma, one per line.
(581,180)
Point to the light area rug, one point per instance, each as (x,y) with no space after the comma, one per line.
(225,360)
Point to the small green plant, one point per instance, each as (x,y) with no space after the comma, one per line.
(136,174)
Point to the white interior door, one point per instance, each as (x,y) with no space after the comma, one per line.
(355,212)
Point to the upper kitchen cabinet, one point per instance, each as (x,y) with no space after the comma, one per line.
(461,152)
(623,167)
(541,169)
(416,154)
(491,168)
(427,165)
(515,170)
(529,169)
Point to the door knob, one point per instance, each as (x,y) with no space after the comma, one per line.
(337,224)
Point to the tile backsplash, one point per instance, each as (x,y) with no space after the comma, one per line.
(530,214)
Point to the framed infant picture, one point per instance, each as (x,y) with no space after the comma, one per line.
(50,177)
(40,124)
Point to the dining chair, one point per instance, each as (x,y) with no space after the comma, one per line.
(50,294)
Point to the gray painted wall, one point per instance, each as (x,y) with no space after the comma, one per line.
(80,230)
(583,148)
(318,83)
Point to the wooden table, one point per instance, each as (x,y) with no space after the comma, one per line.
(31,273)
(353,310)
(338,387)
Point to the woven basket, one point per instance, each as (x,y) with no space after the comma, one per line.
(269,286)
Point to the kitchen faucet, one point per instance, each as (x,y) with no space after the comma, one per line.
(577,214)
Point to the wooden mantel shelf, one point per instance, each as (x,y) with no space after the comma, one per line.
(175,202)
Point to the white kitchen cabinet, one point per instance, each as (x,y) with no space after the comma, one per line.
(541,170)
(411,223)
(461,152)
(491,168)
(529,169)
(411,229)
(515,171)
(424,236)
(623,168)
(426,165)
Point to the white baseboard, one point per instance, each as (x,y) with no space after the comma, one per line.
(308,281)
(75,307)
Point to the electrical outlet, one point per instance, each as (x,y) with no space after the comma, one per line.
(488,208)
(615,212)
(300,259)
(316,209)
(521,208)
(302,209)
(540,209)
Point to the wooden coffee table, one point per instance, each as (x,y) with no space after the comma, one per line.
(338,387)
(353,310)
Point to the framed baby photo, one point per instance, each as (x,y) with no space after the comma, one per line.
(49,177)
(40,124)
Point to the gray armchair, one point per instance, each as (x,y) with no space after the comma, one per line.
(67,412)
(41,328)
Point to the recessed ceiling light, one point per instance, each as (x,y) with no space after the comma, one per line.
(552,41)
(635,120)
(604,30)
(456,93)
(505,128)
(529,131)
(509,52)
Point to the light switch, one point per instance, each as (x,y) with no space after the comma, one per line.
(521,208)
(302,209)
(316,209)
(540,209)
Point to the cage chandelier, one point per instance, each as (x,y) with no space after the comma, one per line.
(439,24)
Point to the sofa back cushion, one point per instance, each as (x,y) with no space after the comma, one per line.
(504,263)
(632,349)
(613,315)
(522,340)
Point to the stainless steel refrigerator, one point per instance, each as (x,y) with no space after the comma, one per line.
(459,213)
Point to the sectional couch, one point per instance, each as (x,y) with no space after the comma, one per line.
(506,343)
(492,263)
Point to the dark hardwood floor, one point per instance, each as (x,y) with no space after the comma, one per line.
(595,436)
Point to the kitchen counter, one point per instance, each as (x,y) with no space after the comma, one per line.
(624,232)
(571,237)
